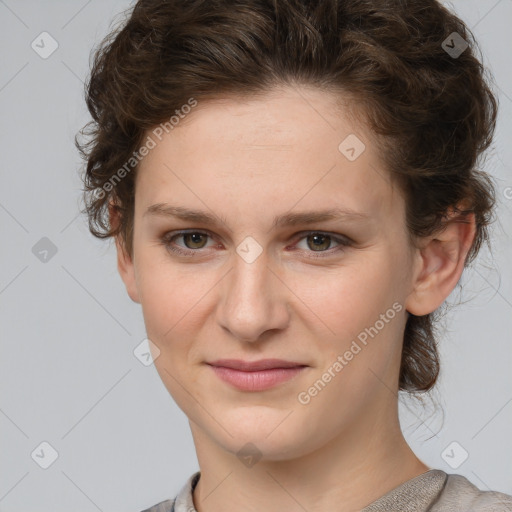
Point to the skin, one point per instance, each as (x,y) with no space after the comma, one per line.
(247,161)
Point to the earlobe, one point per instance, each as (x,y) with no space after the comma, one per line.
(441,263)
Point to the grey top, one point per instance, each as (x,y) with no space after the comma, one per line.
(433,491)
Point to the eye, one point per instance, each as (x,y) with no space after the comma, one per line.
(316,242)
(193,240)
(319,242)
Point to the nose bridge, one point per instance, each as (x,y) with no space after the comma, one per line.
(251,303)
(250,278)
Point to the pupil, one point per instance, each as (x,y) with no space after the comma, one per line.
(196,237)
(316,237)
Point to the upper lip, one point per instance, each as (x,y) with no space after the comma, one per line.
(251,366)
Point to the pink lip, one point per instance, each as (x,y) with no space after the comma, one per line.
(257,375)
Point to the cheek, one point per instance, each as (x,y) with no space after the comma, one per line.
(173,305)
(359,361)
(172,298)
(360,316)
(170,307)
(348,299)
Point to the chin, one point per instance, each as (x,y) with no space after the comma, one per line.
(273,436)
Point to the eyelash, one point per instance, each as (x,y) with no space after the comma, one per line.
(167,239)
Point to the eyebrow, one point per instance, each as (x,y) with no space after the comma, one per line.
(287,219)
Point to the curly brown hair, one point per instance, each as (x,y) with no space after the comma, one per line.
(432,109)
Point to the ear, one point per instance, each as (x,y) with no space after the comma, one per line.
(125,264)
(440,262)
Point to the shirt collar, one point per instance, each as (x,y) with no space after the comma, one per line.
(412,496)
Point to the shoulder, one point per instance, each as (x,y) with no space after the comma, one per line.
(182,502)
(460,495)
(163,506)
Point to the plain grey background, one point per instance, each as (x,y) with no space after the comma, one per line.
(68,373)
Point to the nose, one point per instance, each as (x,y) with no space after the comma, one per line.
(253,300)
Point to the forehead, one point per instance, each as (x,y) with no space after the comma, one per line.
(291,148)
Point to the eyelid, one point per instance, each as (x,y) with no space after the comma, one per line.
(335,236)
(342,241)
(168,237)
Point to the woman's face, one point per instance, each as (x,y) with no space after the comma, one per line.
(264,281)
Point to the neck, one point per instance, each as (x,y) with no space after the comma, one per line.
(345,474)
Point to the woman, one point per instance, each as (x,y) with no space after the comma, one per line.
(294,192)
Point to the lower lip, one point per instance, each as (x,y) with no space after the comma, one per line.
(257,380)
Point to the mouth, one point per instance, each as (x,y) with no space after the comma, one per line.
(255,375)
